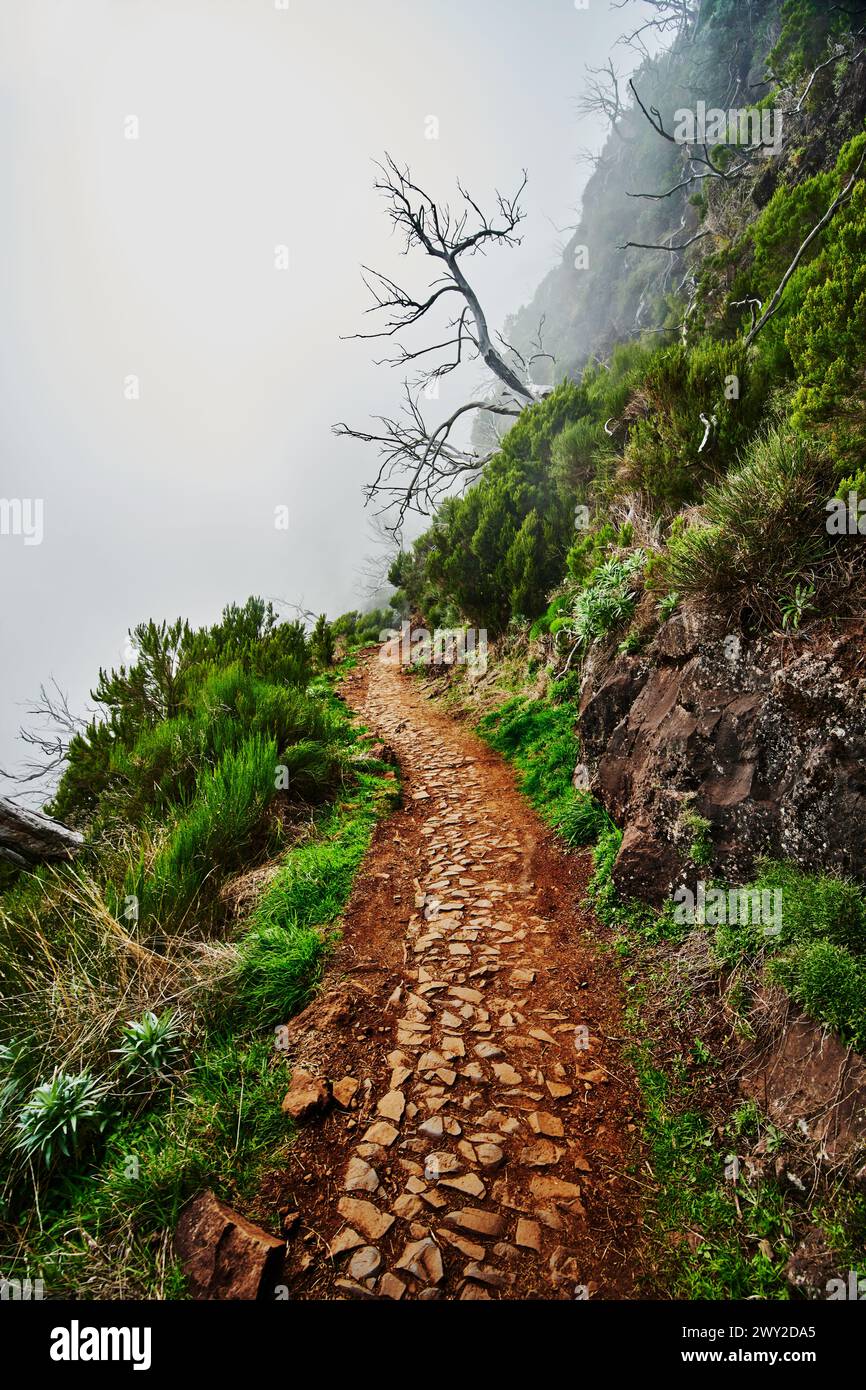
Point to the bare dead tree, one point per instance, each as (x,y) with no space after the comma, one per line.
(445,237)
(418,460)
(386,546)
(601,96)
(667,18)
(300,612)
(595,159)
(538,354)
(50,737)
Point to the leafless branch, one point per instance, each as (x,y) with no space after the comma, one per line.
(656,246)
(743,164)
(653,116)
(601,96)
(446,237)
(418,462)
(50,737)
(838,202)
(421,457)
(587,156)
(667,16)
(373,571)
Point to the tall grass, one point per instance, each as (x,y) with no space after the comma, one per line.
(161,767)
(282,952)
(214,836)
(79,972)
(539,737)
(818,954)
(763,527)
(71,971)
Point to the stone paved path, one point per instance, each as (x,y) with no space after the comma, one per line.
(470,1173)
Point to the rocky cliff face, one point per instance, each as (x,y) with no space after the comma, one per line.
(766,739)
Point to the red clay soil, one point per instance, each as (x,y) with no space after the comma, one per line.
(486,1152)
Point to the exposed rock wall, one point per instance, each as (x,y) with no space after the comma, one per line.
(764,738)
(805,1078)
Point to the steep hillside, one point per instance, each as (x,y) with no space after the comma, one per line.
(668,550)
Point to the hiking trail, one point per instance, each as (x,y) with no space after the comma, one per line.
(486,1130)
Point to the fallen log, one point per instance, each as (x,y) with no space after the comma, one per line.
(29,837)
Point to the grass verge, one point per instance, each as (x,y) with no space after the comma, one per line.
(100,1224)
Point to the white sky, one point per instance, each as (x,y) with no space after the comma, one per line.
(155,257)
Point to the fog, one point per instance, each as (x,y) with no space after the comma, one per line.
(165,385)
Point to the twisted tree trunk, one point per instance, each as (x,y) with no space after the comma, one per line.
(28,837)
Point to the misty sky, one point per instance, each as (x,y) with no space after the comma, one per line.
(155,258)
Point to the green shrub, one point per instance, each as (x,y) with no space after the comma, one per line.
(62,1117)
(359,629)
(253,706)
(607,601)
(631,643)
(151,1046)
(214,836)
(322,643)
(818,333)
(580,452)
(587,553)
(663,458)
(826,336)
(161,768)
(763,527)
(124,753)
(806,27)
(829,983)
